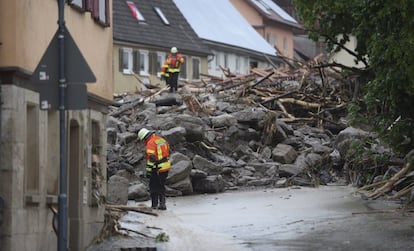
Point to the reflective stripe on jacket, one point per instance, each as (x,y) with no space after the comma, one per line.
(174,61)
(159,147)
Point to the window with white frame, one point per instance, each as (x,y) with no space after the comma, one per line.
(160,62)
(218,60)
(102,11)
(183,68)
(237,64)
(226,60)
(135,12)
(126,60)
(196,68)
(161,15)
(143,62)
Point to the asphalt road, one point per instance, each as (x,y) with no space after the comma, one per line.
(324,218)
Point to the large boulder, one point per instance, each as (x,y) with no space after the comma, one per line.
(284,154)
(117,190)
(206,165)
(179,171)
(138,192)
(211,184)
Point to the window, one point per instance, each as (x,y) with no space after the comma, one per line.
(237,64)
(97,178)
(52,172)
(183,68)
(77,3)
(196,68)
(226,60)
(160,62)
(32,149)
(285,44)
(218,60)
(125,60)
(103,6)
(98,8)
(135,12)
(143,62)
(162,16)
(263,6)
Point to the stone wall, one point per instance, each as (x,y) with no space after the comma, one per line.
(29,172)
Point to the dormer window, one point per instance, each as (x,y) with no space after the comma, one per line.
(263,6)
(161,15)
(135,12)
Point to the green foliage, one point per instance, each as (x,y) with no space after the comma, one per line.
(355,117)
(162,237)
(362,160)
(385,44)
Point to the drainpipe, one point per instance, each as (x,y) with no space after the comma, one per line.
(63,208)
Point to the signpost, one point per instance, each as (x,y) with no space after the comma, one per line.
(61,74)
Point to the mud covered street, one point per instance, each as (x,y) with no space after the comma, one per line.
(324,218)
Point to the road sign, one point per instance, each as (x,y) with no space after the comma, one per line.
(77,69)
(76,97)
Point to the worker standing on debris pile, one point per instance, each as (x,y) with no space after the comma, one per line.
(172,68)
(157,152)
(164,73)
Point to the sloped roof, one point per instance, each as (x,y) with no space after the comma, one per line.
(154,32)
(220,22)
(272,11)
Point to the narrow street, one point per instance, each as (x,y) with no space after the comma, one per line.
(298,218)
(283,219)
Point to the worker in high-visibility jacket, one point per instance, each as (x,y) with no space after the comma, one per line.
(174,61)
(157,152)
(164,73)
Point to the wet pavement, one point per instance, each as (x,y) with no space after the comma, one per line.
(295,218)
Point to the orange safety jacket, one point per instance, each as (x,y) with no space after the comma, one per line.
(158,146)
(174,61)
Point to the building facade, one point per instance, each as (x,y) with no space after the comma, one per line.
(271,22)
(29,136)
(144,33)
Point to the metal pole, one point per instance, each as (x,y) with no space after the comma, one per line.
(62,214)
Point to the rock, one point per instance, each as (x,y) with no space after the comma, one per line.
(138,192)
(111,135)
(346,137)
(126,138)
(184,186)
(211,184)
(288,170)
(206,165)
(174,135)
(117,190)
(284,154)
(179,171)
(224,120)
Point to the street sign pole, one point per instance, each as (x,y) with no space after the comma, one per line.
(62,213)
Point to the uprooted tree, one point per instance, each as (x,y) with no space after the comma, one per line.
(385,49)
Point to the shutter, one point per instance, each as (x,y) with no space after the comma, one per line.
(95,9)
(152,63)
(121,59)
(107,13)
(135,62)
(89,5)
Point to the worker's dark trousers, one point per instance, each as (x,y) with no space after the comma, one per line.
(157,189)
(173,81)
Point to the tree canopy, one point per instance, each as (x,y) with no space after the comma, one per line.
(385,46)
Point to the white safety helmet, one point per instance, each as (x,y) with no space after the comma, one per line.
(143,133)
(174,50)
